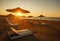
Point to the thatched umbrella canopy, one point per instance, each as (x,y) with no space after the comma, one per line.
(17,10)
(30,16)
(41,16)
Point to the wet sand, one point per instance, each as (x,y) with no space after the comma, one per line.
(47,32)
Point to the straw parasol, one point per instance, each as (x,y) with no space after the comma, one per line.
(18,10)
(30,16)
(41,16)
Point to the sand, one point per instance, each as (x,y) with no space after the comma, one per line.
(49,31)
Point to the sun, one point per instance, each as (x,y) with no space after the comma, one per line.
(18,14)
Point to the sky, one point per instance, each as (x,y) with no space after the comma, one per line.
(48,8)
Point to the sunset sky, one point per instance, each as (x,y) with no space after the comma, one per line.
(49,8)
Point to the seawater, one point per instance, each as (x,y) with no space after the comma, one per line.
(44,18)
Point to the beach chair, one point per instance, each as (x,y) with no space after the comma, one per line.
(42,24)
(13,33)
(11,24)
(19,33)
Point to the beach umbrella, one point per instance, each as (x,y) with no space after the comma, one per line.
(17,10)
(41,16)
(30,16)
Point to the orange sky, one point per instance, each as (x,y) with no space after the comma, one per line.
(36,7)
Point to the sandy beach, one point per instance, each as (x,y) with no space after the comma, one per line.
(46,32)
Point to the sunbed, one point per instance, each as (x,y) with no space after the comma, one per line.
(19,33)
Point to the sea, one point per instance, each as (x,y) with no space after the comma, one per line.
(44,18)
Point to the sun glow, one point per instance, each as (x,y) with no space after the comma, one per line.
(18,14)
